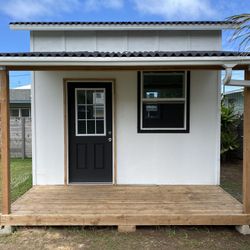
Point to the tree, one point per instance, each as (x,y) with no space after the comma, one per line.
(242,30)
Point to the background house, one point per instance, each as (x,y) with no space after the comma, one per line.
(235,98)
(20,102)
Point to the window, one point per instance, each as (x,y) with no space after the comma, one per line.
(20,112)
(163,102)
(25,112)
(90,112)
(14,112)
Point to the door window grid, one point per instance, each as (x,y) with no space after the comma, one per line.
(89,102)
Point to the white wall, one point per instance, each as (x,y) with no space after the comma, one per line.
(141,158)
(125,40)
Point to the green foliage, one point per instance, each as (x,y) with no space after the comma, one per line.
(229,136)
(21,177)
(242,30)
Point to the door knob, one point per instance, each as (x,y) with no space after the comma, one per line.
(109,139)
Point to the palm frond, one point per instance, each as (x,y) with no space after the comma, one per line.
(241,24)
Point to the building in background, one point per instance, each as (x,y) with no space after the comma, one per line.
(20,102)
(235,98)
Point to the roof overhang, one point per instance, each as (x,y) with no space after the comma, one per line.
(120,26)
(123,61)
(240,62)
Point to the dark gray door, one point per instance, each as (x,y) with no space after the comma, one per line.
(90,131)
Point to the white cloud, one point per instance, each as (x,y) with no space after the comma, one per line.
(176,9)
(33,9)
(108,4)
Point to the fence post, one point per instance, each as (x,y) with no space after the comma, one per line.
(23,136)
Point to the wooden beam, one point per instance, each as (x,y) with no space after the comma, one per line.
(122,220)
(246,148)
(5,136)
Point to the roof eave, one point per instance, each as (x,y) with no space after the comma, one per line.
(123,61)
(36,27)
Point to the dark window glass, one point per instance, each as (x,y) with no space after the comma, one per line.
(99,126)
(14,112)
(163,115)
(81,127)
(25,112)
(82,112)
(90,127)
(163,85)
(81,96)
(90,112)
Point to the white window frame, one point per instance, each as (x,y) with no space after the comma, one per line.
(76,113)
(163,100)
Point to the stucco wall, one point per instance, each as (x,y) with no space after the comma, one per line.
(191,158)
(125,40)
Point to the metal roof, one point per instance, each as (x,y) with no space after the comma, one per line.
(20,95)
(127,23)
(129,54)
(175,25)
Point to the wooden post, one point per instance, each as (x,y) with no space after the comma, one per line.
(5,136)
(246,148)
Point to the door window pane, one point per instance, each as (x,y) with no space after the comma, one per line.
(90,111)
(81,96)
(100,127)
(82,127)
(99,98)
(90,127)
(82,112)
(99,112)
(90,94)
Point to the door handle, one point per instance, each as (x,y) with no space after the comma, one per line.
(109,139)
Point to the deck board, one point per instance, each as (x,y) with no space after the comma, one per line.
(126,205)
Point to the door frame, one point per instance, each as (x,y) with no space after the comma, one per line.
(67,81)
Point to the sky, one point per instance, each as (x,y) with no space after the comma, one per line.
(108,10)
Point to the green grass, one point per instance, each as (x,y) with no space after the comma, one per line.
(21,177)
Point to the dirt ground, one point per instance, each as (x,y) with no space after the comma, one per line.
(231,178)
(144,238)
(67,238)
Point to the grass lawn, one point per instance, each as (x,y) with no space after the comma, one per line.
(231,178)
(106,238)
(21,177)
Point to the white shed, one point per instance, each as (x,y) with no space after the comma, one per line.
(125,106)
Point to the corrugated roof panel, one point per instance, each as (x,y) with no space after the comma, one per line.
(128,54)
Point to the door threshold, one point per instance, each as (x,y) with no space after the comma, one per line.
(91,183)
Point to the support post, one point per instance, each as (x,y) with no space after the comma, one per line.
(246,148)
(5,137)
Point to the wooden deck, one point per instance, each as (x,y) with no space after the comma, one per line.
(126,206)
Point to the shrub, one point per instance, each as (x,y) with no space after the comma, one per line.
(229,136)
